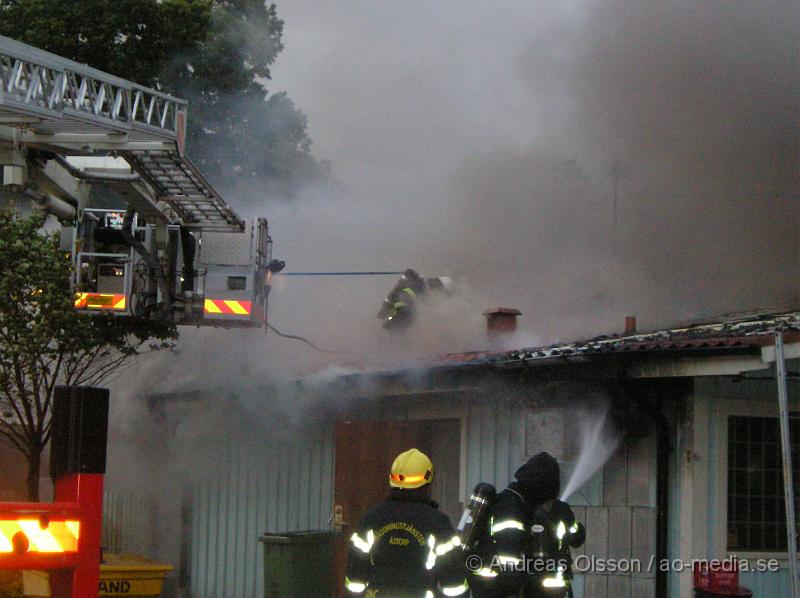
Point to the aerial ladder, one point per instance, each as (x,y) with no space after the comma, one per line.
(166,246)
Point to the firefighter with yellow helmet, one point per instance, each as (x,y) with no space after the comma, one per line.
(405,547)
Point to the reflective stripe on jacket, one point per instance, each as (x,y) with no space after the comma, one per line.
(406,544)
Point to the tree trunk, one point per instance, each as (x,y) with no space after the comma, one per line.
(34,469)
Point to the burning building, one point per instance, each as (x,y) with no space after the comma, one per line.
(667,441)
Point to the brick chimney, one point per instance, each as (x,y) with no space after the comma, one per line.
(501,322)
(630,324)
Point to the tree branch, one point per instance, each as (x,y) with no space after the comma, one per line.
(51,387)
(26,420)
(17,439)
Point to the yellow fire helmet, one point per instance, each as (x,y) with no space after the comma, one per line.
(411,469)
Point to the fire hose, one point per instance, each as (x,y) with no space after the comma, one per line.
(301,339)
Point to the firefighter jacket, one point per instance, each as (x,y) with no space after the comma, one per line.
(399,307)
(532,543)
(406,548)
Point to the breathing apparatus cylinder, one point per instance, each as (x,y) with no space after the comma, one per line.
(544,542)
(474,518)
(539,544)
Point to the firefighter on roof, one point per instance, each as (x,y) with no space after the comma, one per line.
(400,306)
(405,547)
(533,532)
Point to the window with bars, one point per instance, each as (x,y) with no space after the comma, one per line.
(756,508)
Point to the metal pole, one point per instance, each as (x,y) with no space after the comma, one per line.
(788,482)
(362,273)
(616,205)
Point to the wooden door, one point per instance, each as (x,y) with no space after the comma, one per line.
(364,454)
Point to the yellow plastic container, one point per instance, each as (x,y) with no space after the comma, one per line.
(36,584)
(131,575)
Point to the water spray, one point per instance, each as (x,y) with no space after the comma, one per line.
(598,440)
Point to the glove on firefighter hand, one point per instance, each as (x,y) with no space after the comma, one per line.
(576,538)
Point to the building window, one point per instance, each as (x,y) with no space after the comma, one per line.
(756,509)
(237,283)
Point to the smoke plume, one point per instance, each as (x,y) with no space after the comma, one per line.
(488,143)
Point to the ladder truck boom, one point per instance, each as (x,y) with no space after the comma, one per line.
(67,129)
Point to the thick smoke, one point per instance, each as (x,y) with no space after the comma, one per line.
(694,110)
(487,145)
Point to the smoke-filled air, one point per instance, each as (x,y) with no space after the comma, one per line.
(488,143)
(579,161)
(491,143)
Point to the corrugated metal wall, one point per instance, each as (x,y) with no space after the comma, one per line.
(127,521)
(495,442)
(288,486)
(271,487)
(766,584)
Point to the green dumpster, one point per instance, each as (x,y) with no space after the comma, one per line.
(298,564)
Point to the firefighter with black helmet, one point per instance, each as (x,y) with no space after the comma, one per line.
(533,532)
(405,547)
